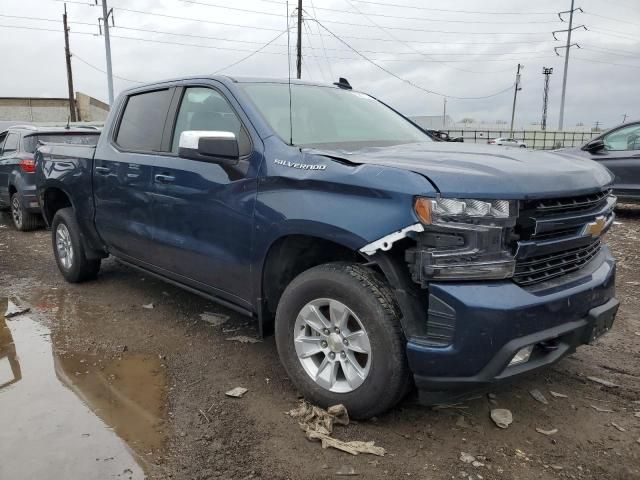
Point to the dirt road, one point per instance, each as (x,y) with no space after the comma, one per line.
(124,377)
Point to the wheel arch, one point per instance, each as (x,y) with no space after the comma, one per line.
(287,257)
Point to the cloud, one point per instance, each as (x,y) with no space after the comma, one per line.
(479,59)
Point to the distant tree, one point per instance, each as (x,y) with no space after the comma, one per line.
(501,122)
(467,120)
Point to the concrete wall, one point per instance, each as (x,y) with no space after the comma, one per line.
(37,110)
(91,109)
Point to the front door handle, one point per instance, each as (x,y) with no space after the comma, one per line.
(164,178)
(102,170)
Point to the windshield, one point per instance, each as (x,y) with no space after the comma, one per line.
(31,142)
(331,117)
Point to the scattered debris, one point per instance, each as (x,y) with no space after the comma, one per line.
(467,457)
(215,319)
(13,310)
(558,395)
(236,392)
(557,467)
(601,410)
(537,394)
(318,423)
(618,427)
(637,414)
(205,416)
(244,339)
(347,471)
(502,417)
(148,306)
(603,382)
(548,433)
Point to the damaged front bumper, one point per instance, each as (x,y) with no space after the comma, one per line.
(476,328)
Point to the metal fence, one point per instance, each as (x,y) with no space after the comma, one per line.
(538,139)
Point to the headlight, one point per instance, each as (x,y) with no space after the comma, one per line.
(430,210)
(464,239)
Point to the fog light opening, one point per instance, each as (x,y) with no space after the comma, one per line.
(522,356)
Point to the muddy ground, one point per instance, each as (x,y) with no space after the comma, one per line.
(154,380)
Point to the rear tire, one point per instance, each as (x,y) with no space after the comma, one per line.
(23,220)
(69,250)
(356,354)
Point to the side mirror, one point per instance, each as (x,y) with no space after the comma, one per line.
(209,146)
(594,146)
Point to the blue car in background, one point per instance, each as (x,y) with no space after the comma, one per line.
(17,167)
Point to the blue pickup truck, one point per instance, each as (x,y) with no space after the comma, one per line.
(380,258)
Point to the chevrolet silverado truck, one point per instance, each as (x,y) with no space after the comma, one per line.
(379,258)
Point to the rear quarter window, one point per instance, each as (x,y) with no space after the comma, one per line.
(142,121)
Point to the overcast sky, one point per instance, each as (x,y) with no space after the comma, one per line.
(458,54)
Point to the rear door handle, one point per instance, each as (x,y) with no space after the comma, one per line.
(164,178)
(102,170)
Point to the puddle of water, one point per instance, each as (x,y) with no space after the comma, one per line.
(74,415)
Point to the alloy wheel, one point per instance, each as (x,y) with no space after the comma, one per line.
(63,246)
(332,345)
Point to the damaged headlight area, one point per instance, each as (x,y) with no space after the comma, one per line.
(464,239)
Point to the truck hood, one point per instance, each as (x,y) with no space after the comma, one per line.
(482,171)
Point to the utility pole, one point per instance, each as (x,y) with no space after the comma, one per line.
(299,62)
(567,48)
(624,118)
(444,114)
(545,97)
(106,12)
(597,126)
(515,96)
(72,101)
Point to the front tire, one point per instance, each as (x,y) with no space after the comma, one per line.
(339,338)
(69,250)
(22,220)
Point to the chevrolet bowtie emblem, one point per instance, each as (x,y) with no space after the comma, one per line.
(595,228)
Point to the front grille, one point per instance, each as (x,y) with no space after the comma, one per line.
(545,267)
(554,206)
(556,223)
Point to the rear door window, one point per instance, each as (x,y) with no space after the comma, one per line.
(142,122)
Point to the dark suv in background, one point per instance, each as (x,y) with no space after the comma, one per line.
(618,149)
(17,146)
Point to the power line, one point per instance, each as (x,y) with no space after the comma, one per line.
(337,10)
(608,52)
(252,53)
(104,71)
(214,47)
(421,30)
(398,39)
(636,24)
(225,7)
(606,63)
(321,40)
(409,82)
(452,11)
(613,33)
